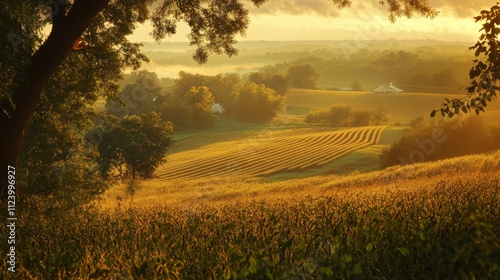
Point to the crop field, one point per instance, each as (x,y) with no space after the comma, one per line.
(265,153)
(425,221)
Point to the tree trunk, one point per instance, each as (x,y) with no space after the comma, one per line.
(67,28)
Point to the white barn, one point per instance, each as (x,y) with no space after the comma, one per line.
(389,88)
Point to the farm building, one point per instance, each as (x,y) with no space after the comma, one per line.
(217,108)
(389,88)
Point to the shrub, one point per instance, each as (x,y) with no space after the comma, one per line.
(258,103)
(344,115)
(433,140)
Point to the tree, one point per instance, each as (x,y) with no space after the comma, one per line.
(200,101)
(302,76)
(63,160)
(223,87)
(28,59)
(362,117)
(345,115)
(356,86)
(340,115)
(134,145)
(138,96)
(484,73)
(258,103)
(277,82)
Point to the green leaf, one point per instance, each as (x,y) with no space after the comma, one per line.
(404,251)
(422,236)
(326,271)
(357,269)
(347,259)
(252,269)
(433,114)
(253,260)
(369,247)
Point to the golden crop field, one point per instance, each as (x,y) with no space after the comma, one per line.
(264,153)
(424,221)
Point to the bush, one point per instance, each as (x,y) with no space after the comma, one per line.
(344,115)
(258,103)
(434,140)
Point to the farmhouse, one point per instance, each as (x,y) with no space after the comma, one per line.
(389,88)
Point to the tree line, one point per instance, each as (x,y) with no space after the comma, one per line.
(429,73)
(340,115)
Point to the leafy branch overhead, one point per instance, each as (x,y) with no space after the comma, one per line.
(485,71)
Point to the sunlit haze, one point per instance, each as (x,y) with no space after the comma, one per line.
(321,20)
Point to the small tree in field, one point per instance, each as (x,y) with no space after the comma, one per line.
(362,117)
(340,115)
(134,145)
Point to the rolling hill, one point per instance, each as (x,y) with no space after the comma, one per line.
(263,153)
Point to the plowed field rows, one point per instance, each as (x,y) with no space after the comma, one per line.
(262,153)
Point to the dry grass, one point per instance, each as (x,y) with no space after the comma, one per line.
(232,190)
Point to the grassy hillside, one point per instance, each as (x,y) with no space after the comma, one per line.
(231,189)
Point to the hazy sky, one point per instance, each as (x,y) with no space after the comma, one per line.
(364,20)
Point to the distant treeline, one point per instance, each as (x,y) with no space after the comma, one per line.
(344,115)
(418,66)
(368,70)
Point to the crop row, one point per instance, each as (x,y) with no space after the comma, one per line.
(265,153)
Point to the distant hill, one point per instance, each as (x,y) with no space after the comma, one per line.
(414,66)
